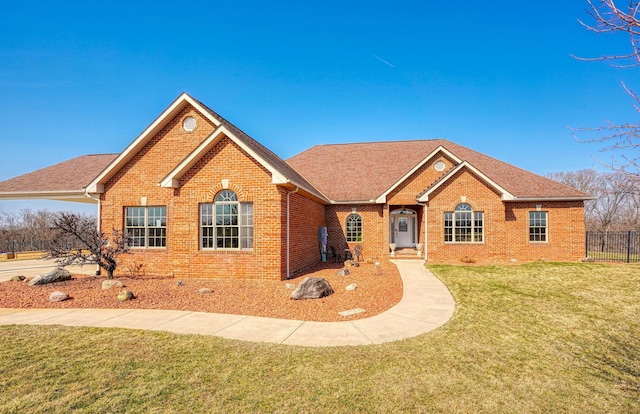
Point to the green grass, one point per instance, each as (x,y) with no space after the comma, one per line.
(535,338)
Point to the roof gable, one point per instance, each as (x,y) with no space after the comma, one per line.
(505,195)
(280,171)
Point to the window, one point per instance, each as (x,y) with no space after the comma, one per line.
(146,226)
(538,226)
(226,223)
(354,228)
(464,225)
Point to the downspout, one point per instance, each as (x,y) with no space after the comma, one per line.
(288,234)
(424,210)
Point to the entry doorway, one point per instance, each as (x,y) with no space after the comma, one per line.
(404,228)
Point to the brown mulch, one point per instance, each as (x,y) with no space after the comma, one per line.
(374,293)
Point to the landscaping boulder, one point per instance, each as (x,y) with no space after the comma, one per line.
(343,272)
(56,275)
(109,283)
(125,295)
(58,296)
(312,288)
(17,278)
(352,286)
(351,263)
(203,291)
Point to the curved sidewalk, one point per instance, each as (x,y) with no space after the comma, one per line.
(426,304)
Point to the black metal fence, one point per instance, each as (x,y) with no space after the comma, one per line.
(618,246)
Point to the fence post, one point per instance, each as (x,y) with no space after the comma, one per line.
(586,244)
(629,246)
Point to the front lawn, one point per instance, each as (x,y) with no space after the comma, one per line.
(540,337)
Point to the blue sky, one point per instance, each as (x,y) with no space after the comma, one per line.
(85,77)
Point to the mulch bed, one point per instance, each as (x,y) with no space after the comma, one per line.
(375,293)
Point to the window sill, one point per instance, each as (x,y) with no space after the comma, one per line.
(234,251)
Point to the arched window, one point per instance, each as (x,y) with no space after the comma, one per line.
(226,223)
(463,225)
(354,228)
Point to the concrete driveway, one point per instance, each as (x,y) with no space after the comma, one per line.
(33,267)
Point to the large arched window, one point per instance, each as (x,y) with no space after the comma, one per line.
(226,223)
(464,225)
(354,228)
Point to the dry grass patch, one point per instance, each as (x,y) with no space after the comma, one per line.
(533,338)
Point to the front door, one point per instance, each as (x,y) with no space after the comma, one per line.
(403,227)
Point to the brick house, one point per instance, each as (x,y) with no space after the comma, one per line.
(200,198)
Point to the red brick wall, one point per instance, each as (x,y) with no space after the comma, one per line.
(506,226)
(375,228)
(183,257)
(306,216)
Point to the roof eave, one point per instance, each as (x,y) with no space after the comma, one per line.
(77,196)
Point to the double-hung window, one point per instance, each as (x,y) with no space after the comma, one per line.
(226,223)
(146,226)
(537,226)
(464,225)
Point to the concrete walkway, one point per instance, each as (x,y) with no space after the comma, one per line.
(32,267)
(426,304)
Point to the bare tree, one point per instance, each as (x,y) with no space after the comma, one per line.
(620,139)
(93,245)
(617,199)
(25,230)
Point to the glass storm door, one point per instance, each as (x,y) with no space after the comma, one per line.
(403,227)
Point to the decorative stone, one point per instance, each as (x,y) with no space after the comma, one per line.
(352,312)
(58,296)
(125,295)
(352,286)
(203,291)
(343,272)
(17,278)
(312,288)
(289,285)
(56,275)
(108,284)
(351,263)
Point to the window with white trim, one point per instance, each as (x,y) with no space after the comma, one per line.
(538,226)
(226,223)
(463,225)
(354,228)
(146,226)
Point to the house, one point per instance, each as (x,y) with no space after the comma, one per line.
(200,198)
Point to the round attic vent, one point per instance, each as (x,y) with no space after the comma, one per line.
(439,166)
(189,124)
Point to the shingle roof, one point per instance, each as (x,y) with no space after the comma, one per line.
(365,171)
(266,154)
(69,176)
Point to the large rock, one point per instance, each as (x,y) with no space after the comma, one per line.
(56,275)
(125,295)
(312,288)
(17,278)
(58,296)
(109,283)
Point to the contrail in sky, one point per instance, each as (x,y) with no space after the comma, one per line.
(381,60)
